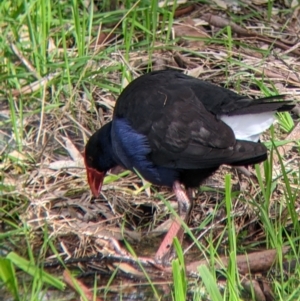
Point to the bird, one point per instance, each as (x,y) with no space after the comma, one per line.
(176,130)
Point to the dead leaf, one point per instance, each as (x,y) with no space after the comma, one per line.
(73,151)
(188,29)
(221,3)
(184,62)
(182,11)
(128,269)
(65,164)
(195,72)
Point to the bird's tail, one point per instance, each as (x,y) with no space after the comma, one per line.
(262,105)
(246,153)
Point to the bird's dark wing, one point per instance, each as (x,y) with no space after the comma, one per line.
(180,131)
(183,120)
(190,137)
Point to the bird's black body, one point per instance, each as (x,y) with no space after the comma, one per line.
(174,129)
(168,127)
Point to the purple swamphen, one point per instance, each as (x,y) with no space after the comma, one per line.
(177,130)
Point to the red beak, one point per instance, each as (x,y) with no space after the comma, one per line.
(95,180)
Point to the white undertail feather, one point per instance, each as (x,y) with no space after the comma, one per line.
(249,126)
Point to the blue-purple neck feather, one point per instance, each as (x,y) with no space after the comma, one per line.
(132,150)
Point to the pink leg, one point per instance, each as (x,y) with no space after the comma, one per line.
(164,251)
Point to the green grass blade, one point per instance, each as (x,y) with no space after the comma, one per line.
(8,277)
(33,270)
(210,283)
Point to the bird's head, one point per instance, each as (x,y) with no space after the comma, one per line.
(98,158)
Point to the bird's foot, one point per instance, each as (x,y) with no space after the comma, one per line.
(165,252)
